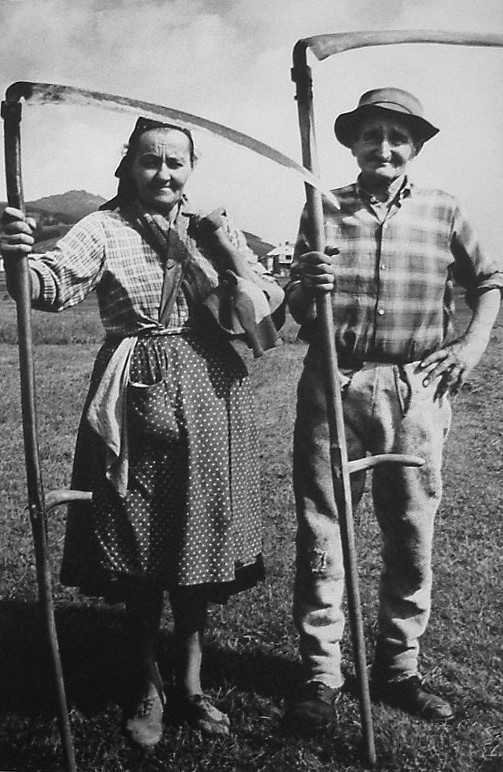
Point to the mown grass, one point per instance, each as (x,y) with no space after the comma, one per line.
(251,659)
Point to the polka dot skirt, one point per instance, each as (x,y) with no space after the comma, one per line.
(192,511)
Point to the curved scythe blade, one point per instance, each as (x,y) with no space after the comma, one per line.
(324,46)
(53,93)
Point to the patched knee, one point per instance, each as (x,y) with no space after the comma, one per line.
(320,565)
(318,562)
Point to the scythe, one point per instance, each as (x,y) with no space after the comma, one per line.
(324,46)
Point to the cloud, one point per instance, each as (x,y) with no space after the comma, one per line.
(229,61)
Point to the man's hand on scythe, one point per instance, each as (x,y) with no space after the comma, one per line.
(317,276)
(317,271)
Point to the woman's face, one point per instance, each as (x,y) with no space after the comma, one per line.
(161,166)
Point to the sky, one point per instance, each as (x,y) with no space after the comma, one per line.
(229,61)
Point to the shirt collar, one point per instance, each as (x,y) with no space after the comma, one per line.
(400,189)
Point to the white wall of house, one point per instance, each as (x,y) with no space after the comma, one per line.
(280,258)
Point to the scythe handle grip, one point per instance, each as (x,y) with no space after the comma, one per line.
(64,496)
(369,462)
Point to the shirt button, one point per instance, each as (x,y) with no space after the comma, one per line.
(383,267)
(385,226)
(381,312)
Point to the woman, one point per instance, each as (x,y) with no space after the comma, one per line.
(167,440)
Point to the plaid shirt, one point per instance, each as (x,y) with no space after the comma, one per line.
(104,252)
(393,298)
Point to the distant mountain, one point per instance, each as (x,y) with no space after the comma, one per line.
(55,214)
(256,245)
(72,206)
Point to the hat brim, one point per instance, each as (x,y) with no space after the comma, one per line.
(346,125)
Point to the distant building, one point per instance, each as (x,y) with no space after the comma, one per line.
(279,259)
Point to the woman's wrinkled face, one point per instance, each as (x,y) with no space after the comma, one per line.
(161,166)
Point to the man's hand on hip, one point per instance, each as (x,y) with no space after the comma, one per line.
(451,365)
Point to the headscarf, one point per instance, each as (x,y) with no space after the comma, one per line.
(126,190)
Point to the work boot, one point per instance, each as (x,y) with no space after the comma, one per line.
(410,695)
(144,722)
(312,707)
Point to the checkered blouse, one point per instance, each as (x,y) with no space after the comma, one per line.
(103,252)
(393,299)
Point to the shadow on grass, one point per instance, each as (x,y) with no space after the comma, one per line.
(250,684)
(492,765)
(93,652)
(96,661)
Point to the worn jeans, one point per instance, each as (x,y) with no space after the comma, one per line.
(386,410)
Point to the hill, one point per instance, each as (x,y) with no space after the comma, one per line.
(256,245)
(55,214)
(70,207)
(67,207)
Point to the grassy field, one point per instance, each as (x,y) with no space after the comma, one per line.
(251,659)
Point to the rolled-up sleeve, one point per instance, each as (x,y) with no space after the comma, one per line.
(474,269)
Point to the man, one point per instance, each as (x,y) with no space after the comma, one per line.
(393,253)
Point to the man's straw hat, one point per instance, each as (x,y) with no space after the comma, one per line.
(386,101)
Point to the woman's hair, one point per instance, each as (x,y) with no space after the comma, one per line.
(126,189)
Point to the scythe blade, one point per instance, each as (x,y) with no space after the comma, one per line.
(53,93)
(324,46)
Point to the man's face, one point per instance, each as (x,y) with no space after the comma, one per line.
(383,148)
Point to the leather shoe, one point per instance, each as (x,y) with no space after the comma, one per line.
(201,714)
(144,722)
(410,695)
(312,707)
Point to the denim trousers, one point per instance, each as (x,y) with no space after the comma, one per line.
(387,409)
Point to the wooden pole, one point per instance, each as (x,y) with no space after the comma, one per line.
(301,74)
(11,114)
